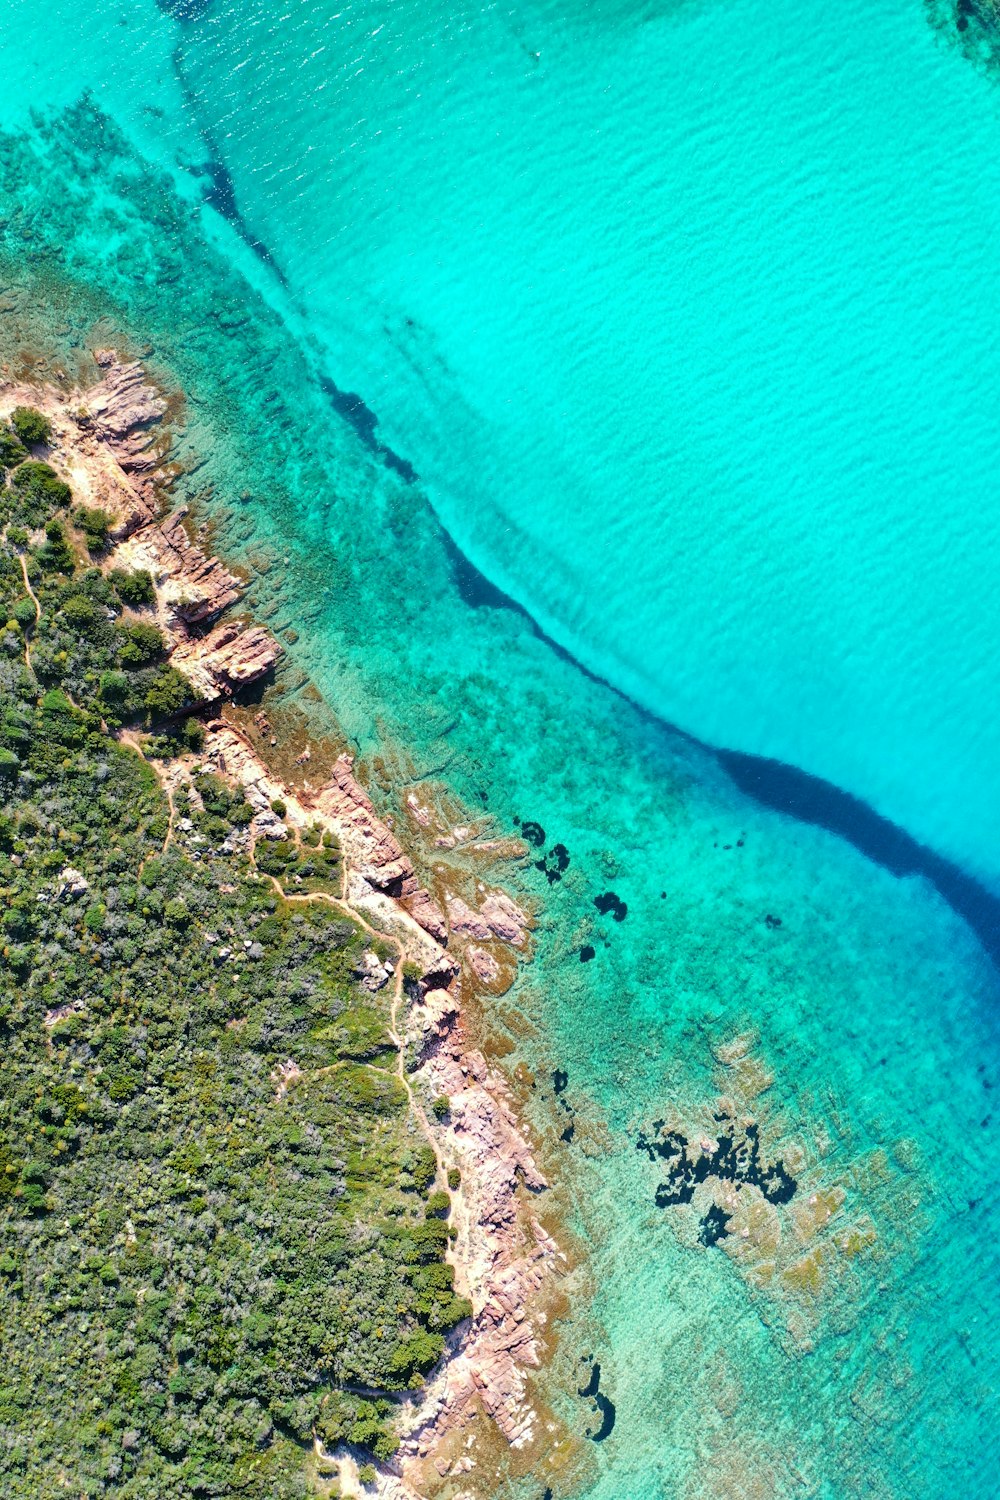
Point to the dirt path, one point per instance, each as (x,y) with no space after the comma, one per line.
(38,613)
(340,903)
(130,738)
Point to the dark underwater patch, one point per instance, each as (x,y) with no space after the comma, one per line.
(609,903)
(736,1159)
(714,1226)
(359,415)
(554,864)
(184,10)
(587,952)
(812,800)
(973,24)
(603,1405)
(474,588)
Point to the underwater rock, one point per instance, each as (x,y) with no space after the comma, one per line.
(554,864)
(734,1158)
(533,833)
(498,917)
(483,964)
(714,1226)
(609,903)
(603,1405)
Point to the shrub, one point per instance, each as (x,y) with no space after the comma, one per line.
(193,734)
(114,687)
(367,1474)
(11,450)
(142,644)
(133,588)
(441,1106)
(81,613)
(454,1178)
(24,613)
(168,693)
(30,425)
(56,555)
(417,1355)
(278,807)
(438,1205)
(37,491)
(95,525)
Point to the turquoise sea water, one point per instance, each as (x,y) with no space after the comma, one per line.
(686,317)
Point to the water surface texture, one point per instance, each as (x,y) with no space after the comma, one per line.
(685,317)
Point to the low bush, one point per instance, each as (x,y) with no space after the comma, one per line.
(30,425)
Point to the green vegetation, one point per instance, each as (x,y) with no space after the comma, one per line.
(133,587)
(30,425)
(95,525)
(219,1222)
(12,450)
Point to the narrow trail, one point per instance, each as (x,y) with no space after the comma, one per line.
(131,739)
(38,612)
(341,903)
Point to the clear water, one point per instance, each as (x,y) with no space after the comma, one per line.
(687,325)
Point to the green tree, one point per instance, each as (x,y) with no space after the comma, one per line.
(168,693)
(133,587)
(95,525)
(30,425)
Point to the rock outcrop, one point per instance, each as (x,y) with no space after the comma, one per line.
(197,588)
(374,850)
(123,411)
(229,657)
(504,1254)
(498,917)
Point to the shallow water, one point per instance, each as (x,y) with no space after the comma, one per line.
(791,586)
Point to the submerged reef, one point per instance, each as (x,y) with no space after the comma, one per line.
(789,1219)
(973,24)
(602,1403)
(733,1158)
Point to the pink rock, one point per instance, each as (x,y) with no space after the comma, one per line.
(229,657)
(505,918)
(483,964)
(374,849)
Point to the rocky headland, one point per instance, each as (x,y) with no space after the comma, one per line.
(113,443)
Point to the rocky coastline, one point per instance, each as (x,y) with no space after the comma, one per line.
(113,443)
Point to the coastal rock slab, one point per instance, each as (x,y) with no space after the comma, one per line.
(229,657)
(123,412)
(498,917)
(504,1256)
(373,848)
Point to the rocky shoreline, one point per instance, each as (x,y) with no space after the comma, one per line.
(113,444)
